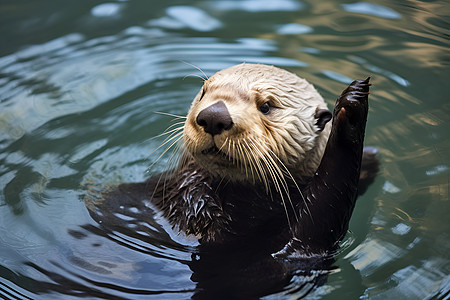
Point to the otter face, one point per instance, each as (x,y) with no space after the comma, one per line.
(256,122)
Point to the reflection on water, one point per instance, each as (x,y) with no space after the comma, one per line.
(372,9)
(80,88)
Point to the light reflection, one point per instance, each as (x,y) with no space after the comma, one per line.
(401,229)
(255,6)
(412,282)
(338,77)
(194,18)
(372,9)
(294,28)
(372,254)
(390,188)
(437,170)
(106,10)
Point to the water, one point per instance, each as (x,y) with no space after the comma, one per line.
(80,86)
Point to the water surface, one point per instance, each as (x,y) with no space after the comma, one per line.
(81,85)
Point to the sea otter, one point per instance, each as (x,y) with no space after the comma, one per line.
(265,182)
(262,164)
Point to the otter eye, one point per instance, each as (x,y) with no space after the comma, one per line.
(265,108)
(202,93)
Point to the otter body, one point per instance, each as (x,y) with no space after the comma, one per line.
(254,157)
(265,182)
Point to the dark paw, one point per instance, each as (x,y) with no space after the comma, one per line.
(350,111)
(352,103)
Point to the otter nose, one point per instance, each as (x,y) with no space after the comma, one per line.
(215,118)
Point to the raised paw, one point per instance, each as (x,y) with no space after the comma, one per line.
(353,100)
(350,111)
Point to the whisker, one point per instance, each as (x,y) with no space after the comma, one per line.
(286,187)
(258,166)
(229,150)
(173,161)
(289,174)
(278,180)
(282,172)
(194,66)
(223,145)
(262,156)
(194,75)
(168,132)
(177,138)
(250,161)
(242,164)
(170,115)
(234,152)
(164,176)
(172,135)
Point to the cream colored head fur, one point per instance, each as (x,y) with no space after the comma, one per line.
(286,138)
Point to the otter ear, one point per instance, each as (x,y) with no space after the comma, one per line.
(322,116)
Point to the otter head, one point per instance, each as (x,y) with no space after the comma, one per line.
(256,122)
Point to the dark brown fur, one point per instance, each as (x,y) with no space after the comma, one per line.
(223,212)
(248,246)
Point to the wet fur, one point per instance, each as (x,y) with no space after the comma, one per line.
(263,217)
(261,169)
(259,165)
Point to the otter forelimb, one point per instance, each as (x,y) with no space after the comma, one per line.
(331,194)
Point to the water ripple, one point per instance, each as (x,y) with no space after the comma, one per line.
(71,75)
(78,113)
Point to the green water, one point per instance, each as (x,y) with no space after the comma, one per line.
(81,83)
